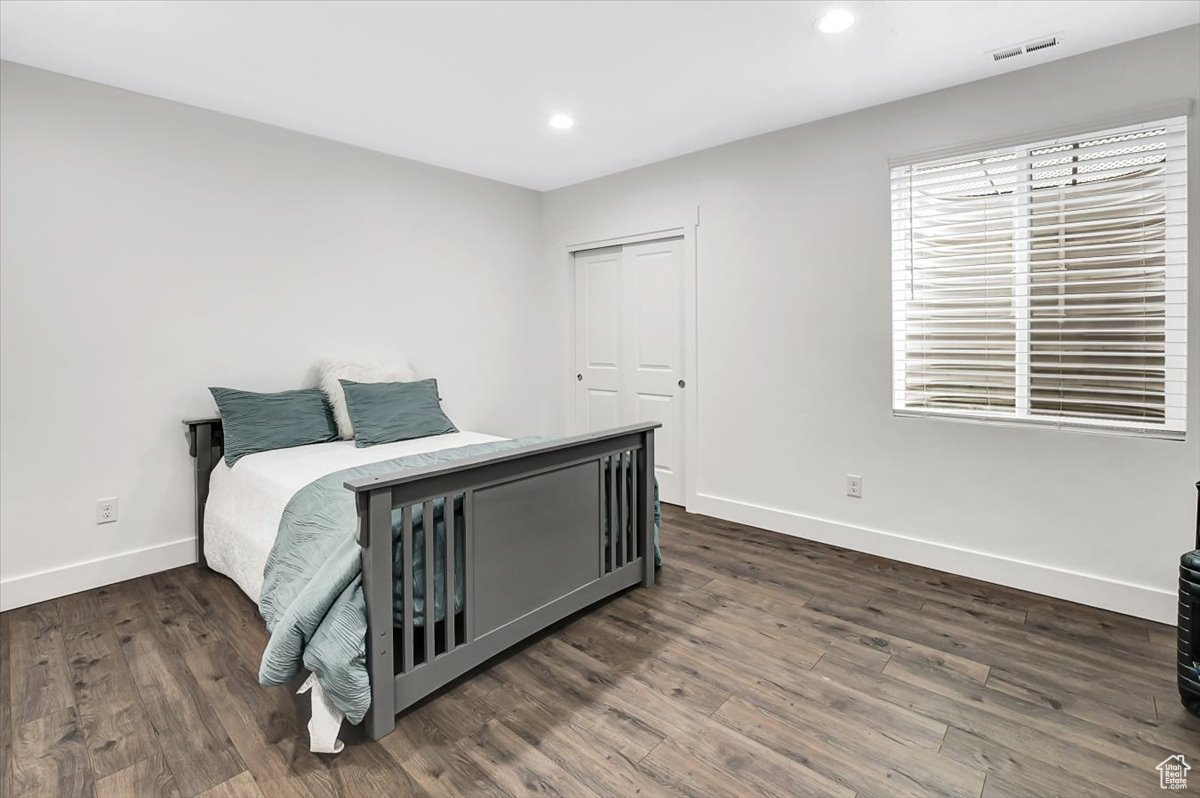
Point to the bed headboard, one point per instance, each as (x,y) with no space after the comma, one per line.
(206,445)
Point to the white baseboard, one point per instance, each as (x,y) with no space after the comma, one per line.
(18,591)
(1137,600)
(1140,601)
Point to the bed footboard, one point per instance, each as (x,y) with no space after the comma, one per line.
(550,528)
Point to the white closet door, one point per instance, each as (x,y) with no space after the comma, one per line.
(653,275)
(599,345)
(629,347)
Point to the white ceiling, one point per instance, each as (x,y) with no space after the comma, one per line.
(470,86)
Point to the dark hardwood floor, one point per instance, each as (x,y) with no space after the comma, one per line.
(759,664)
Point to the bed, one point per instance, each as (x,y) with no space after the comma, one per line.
(523,534)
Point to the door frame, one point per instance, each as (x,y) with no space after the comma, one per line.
(681,224)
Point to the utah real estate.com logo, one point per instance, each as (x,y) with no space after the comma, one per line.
(1172,773)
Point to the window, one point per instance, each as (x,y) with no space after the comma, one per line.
(1045,283)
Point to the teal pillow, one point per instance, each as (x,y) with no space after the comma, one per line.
(384,412)
(260,422)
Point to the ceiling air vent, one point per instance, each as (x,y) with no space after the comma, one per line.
(1025,48)
(1042,44)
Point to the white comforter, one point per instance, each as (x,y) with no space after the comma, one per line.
(246,502)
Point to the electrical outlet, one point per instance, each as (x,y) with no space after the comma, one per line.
(854,486)
(106,510)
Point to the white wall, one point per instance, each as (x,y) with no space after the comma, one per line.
(152,249)
(794,348)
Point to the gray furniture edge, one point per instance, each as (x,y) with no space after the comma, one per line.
(206,445)
(548,529)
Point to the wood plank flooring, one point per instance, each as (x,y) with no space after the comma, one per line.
(758,665)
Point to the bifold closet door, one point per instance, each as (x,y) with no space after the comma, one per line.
(599,344)
(629,347)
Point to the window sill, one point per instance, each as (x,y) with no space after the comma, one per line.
(1093,427)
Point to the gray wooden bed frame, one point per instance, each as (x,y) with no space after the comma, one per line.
(535,549)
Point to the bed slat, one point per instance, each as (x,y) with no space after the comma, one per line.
(627,502)
(429,526)
(450,575)
(633,496)
(469,567)
(600,521)
(406,555)
(612,514)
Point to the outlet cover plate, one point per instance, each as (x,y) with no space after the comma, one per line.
(106,510)
(854,486)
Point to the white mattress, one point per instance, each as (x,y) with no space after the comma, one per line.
(246,502)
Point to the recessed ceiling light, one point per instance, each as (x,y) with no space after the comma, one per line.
(562,122)
(835,21)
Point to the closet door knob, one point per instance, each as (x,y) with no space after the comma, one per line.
(682,384)
(579,377)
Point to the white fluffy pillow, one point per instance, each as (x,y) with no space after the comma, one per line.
(330,371)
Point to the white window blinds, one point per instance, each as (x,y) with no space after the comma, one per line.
(1046,283)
